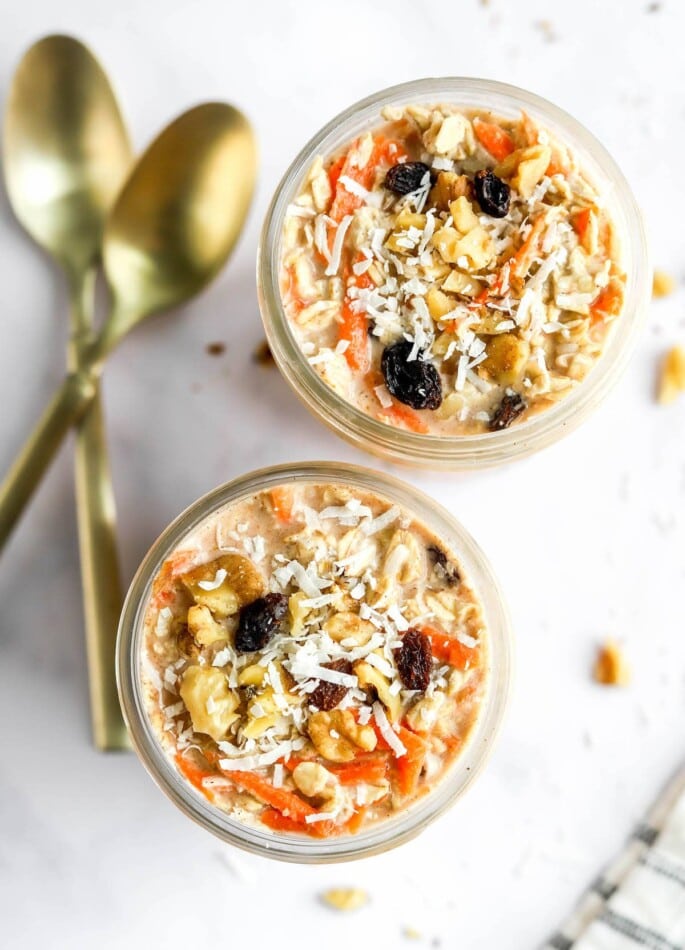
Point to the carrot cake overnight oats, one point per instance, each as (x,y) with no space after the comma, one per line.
(313,659)
(451,271)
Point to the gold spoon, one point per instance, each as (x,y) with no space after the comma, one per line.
(171,230)
(66,154)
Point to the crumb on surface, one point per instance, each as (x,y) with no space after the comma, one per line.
(345,898)
(263,355)
(671,381)
(546,28)
(411,933)
(663,284)
(610,667)
(216,349)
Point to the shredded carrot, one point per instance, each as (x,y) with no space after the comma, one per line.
(581,222)
(288,803)
(371,769)
(384,152)
(398,413)
(282,503)
(290,292)
(520,262)
(273,819)
(194,774)
(494,139)
(609,301)
(292,762)
(353,329)
(528,129)
(354,823)
(448,649)
(335,171)
(556,165)
(409,766)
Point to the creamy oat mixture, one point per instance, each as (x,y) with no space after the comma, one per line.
(313,659)
(451,272)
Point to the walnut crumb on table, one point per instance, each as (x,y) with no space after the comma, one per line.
(263,355)
(216,349)
(610,667)
(671,382)
(662,284)
(345,898)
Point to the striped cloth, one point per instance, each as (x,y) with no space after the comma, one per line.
(639,901)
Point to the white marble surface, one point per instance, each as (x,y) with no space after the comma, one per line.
(588,538)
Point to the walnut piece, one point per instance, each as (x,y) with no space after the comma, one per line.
(336,735)
(672,378)
(204,628)
(611,668)
(211,704)
(225,584)
(345,898)
(349,626)
(662,284)
(315,781)
(448,187)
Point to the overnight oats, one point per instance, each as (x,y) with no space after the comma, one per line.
(313,660)
(449,270)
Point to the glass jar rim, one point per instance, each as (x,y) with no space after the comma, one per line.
(482,449)
(386,834)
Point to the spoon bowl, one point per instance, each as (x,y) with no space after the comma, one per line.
(66,150)
(179,214)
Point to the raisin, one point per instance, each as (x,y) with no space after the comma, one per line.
(328,695)
(444,568)
(406,177)
(416,383)
(414,660)
(508,411)
(259,621)
(492,194)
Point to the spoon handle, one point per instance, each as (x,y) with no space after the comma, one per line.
(68,404)
(96,518)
